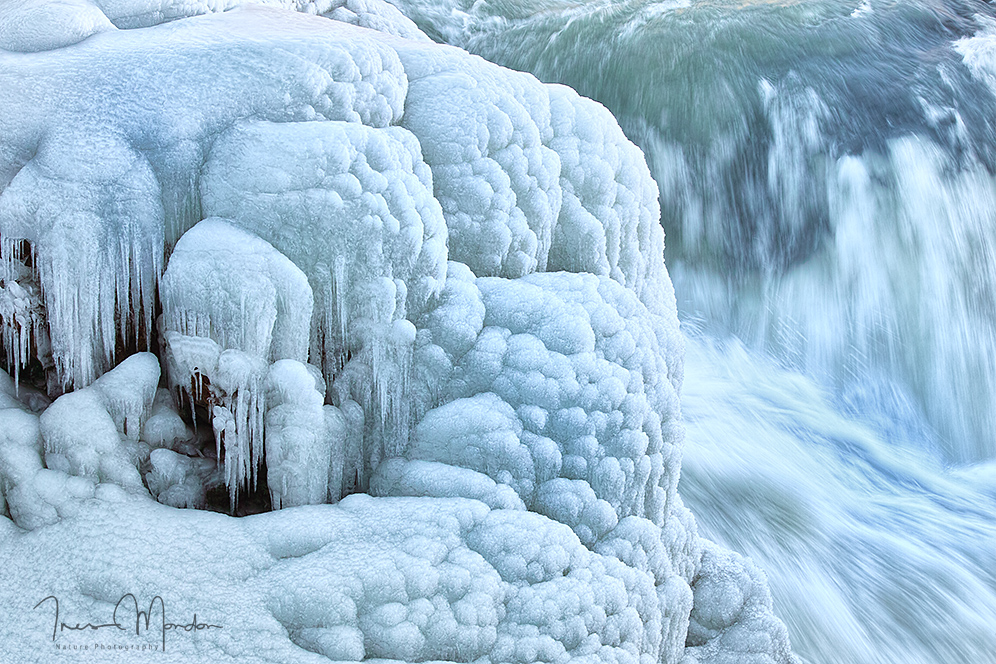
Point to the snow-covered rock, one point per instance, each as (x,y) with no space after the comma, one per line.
(732,621)
(383,265)
(38,25)
(178,480)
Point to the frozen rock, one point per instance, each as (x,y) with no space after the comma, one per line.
(93,432)
(355,229)
(164,426)
(177,480)
(300,446)
(731,619)
(128,392)
(236,289)
(41,25)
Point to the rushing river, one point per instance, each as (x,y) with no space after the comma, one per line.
(826,170)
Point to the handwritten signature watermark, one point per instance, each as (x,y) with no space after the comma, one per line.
(126,608)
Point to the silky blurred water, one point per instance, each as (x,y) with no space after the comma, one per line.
(826,172)
(874,551)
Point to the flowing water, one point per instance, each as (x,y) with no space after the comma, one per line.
(826,170)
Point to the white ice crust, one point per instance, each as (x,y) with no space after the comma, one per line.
(384,266)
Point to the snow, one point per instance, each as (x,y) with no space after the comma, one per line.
(496,181)
(400,477)
(128,393)
(374,14)
(731,621)
(178,480)
(230,286)
(383,266)
(411,579)
(37,25)
(302,438)
(367,231)
(164,426)
(93,432)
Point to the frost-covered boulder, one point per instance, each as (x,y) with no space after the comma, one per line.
(383,266)
(178,480)
(557,386)
(536,177)
(37,25)
(94,432)
(232,304)
(164,427)
(608,218)
(306,441)
(571,370)
(496,180)
(732,621)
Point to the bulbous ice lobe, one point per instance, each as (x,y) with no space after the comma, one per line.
(375,14)
(349,204)
(556,386)
(732,620)
(231,286)
(28,26)
(570,370)
(498,184)
(349,232)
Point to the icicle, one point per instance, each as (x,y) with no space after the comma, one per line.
(231,305)
(182,203)
(333,324)
(392,364)
(337,436)
(22,314)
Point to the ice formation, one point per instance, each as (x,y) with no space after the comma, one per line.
(382,266)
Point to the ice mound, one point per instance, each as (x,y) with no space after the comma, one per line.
(566,377)
(49,463)
(732,621)
(87,433)
(374,14)
(366,228)
(363,262)
(40,25)
(233,287)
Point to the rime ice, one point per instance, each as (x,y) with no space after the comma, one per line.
(383,266)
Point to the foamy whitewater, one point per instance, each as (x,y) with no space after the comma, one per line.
(406,313)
